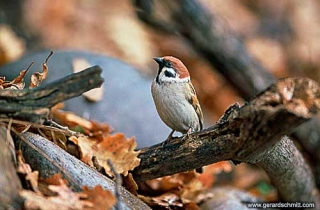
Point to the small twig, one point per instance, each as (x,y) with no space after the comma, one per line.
(31,64)
(47,59)
(63,128)
(118,181)
(10,143)
(60,128)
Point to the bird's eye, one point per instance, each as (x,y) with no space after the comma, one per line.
(168,73)
(168,64)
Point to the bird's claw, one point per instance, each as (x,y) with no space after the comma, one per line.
(169,138)
(187,134)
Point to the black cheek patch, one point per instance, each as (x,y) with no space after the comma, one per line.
(169,74)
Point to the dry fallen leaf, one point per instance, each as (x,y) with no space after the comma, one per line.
(130,184)
(170,183)
(16,83)
(191,190)
(25,169)
(68,198)
(34,201)
(91,128)
(64,200)
(95,197)
(56,136)
(178,191)
(117,148)
(55,180)
(101,199)
(168,201)
(208,176)
(2,81)
(37,77)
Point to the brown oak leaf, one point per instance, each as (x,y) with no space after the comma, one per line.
(117,148)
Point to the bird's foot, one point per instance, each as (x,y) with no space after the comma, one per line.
(187,134)
(169,138)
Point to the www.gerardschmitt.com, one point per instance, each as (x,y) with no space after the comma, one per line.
(281,205)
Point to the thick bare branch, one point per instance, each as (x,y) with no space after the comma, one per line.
(33,104)
(244,135)
(291,174)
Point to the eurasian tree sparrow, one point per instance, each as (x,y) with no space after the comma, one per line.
(175,97)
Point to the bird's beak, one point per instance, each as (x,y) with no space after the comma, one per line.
(158,60)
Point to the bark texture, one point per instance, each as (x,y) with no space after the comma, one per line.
(291,174)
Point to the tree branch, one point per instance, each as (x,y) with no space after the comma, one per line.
(245,134)
(34,104)
(288,171)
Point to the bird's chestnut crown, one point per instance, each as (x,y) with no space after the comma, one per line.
(171,69)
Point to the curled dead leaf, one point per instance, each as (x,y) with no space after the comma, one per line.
(101,199)
(55,180)
(17,83)
(117,148)
(25,169)
(65,199)
(130,184)
(37,77)
(208,177)
(91,128)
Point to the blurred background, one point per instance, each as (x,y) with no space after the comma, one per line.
(281,38)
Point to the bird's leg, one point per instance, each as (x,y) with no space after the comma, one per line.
(169,138)
(187,134)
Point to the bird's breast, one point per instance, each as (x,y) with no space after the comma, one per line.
(173,107)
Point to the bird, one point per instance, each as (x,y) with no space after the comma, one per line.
(175,97)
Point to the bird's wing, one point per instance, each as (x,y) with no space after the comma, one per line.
(193,100)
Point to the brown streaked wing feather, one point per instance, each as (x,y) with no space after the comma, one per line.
(193,100)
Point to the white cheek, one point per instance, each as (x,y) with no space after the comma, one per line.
(164,78)
(171,70)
